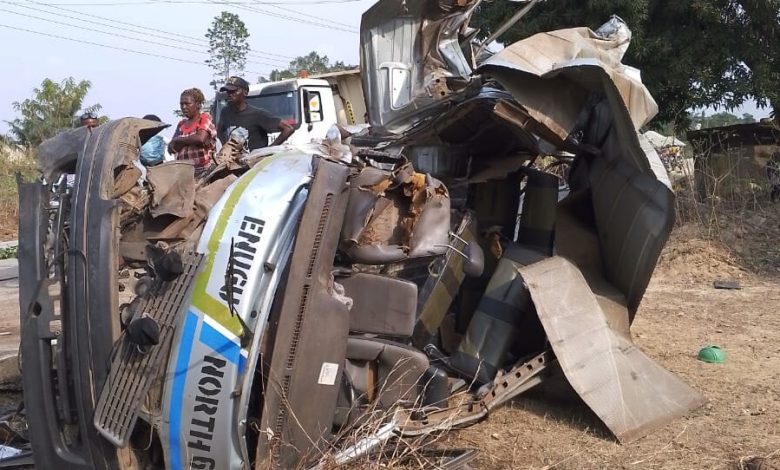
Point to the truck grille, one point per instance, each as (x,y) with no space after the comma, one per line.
(133,373)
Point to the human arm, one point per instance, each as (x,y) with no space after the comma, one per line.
(270,124)
(285,131)
(222,127)
(170,146)
(199,139)
(204,135)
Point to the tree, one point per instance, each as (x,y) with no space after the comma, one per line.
(692,53)
(311,63)
(53,108)
(720,119)
(228,46)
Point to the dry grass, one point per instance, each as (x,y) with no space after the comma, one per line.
(550,427)
(9,197)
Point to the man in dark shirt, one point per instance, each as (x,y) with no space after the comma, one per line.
(259,123)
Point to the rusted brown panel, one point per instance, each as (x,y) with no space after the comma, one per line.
(626,389)
(173,189)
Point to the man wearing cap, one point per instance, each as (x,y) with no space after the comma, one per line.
(259,123)
(89,120)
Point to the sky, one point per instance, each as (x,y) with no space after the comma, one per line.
(150,79)
(134,84)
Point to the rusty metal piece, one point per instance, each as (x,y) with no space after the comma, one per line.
(517,116)
(467,409)
(173,188)
(133,203)
(125,180)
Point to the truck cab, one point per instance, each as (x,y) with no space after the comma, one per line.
(304,103)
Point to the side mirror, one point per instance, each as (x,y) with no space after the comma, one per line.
(312,107)
(306,112)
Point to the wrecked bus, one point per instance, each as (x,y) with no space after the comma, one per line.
(305,305)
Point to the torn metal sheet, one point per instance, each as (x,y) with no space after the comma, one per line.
(626,389)
(173,188)
(207,196)
(61,152)
(572,82)
(578,56)
(126,178)
(402,86)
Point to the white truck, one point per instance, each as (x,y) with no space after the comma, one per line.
(310,105)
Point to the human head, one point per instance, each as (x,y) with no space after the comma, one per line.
(88,120)
(191,102)
(236,89)
(152,117)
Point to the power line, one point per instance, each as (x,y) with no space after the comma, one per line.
(146,29)
(150,54)
(298,20)
(119,35)
(311,16)
(145,32)
(202,2)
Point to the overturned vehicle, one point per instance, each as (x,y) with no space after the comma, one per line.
(299,307)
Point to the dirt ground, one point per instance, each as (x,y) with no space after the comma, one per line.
(550,428)
(681,312)
(8,231)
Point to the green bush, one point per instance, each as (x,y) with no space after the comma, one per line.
(10,252)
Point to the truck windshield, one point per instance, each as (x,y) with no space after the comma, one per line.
(282,105)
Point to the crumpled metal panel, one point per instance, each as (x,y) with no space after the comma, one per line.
(61,151)
(572,82)
(626,389)
(173,188)
(573,56)
(309,337)
(410,51)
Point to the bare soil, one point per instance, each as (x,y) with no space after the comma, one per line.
(549,427)
(8,232)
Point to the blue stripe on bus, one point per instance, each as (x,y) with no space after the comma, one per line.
(222,345)
(179,383)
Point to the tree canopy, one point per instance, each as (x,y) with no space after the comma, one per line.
(53,108)
(720,119)
(311,63)
(692,53)
(228,46)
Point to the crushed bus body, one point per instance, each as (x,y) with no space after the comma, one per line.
(299,306)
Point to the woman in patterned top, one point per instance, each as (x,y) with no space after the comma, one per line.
(195,136)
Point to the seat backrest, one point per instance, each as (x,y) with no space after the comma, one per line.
(381,305)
